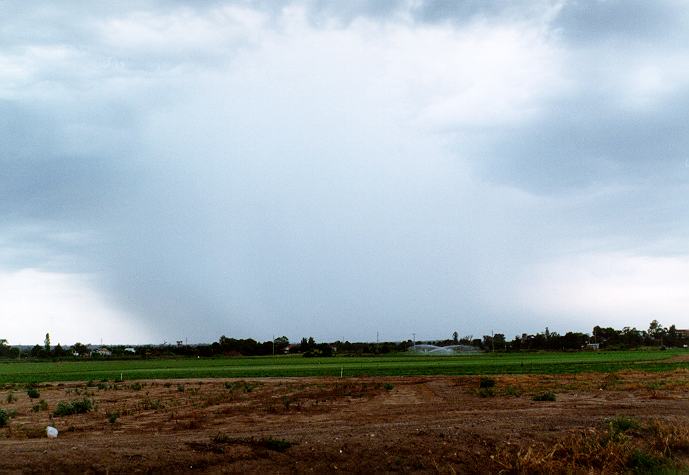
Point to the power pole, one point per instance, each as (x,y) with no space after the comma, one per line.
(273,345)
(414,340)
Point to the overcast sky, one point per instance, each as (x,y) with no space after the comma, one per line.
(183,170)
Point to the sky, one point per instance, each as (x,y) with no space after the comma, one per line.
(181,170)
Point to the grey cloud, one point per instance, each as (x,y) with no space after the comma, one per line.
(587,142)
(458,12)
(622,22)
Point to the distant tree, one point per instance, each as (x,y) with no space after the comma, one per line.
(606,336)
(467,340)
(656,330)
(499,341)
(80,349)
(573,340)
(631,337)
(281,343)
(455,337)
(307,344)
(673,336)
(46,343)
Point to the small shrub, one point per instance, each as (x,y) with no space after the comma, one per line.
(486,392)
(33,393)
(135,386)
(278,445)
(41,406)
(180,388)
(285,402)
(237,385)
(512,391)
(4,418)
(10,397)
(75,407)
(546,396)
(486,383)
(623,424)
(643,462)
(112,416)
(388,386)
(154,404)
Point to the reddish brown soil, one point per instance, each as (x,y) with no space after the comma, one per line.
(409,424)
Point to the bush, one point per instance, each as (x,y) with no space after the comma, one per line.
(33,393)
(512,391)
(10,397)
(644,462)
(486,383)
(112,417)
(623,424)
(486,392)
(278,445)
(4,418)
(546,396)
(74,407)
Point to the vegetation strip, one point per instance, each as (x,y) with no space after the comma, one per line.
(393,365)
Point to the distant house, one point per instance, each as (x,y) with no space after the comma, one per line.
(684,333)
(592,346)
(102,352)
(130,350)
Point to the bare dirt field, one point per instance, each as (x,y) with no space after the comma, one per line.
(600,423)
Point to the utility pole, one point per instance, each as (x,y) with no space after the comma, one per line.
(414,340)
(273,345)
(492,340)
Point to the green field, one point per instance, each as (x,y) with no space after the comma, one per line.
(394,365)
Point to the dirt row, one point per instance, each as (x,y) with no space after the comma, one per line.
(319,425)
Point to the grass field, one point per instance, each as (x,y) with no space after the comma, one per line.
(394,365)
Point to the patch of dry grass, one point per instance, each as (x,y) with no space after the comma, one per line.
(623,445)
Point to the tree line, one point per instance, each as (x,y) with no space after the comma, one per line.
(601,337)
